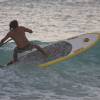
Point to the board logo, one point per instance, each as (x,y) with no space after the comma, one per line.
(86,40)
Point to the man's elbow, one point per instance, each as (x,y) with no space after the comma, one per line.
(2,41)
(30,31)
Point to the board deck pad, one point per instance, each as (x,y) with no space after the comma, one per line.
(56,50)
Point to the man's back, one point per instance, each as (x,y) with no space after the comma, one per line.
(18,35)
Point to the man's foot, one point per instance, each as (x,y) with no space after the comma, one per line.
(11,62)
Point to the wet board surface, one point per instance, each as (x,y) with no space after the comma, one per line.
(56,50)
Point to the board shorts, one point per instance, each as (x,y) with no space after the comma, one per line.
(21,50)
(28,47)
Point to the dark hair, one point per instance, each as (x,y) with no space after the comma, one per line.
(13,25)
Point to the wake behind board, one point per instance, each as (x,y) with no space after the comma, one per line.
(62,50)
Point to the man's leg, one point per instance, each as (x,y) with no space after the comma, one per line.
(40,49)
(15,54)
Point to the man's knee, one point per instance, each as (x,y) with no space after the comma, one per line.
(36,46)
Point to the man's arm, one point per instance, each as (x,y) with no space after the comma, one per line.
(27,30)
(5,38)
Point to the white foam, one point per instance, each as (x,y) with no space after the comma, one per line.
(5,98)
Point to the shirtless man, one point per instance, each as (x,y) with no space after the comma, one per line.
(17,33)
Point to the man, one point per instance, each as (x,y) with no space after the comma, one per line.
(17,33)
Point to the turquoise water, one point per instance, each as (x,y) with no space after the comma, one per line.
(76,79)
(51,20)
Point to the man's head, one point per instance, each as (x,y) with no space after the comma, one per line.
(13,25)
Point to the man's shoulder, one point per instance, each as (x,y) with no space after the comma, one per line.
(21,27)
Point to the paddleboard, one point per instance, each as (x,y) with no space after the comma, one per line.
(62,50)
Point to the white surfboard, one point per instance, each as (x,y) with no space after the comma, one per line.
(62,50)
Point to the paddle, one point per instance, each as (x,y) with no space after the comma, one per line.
(5,42)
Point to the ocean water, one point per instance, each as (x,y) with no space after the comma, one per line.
(51,20)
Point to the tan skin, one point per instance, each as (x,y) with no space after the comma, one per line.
(18,35)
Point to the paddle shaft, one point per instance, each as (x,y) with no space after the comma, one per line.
(6,42)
